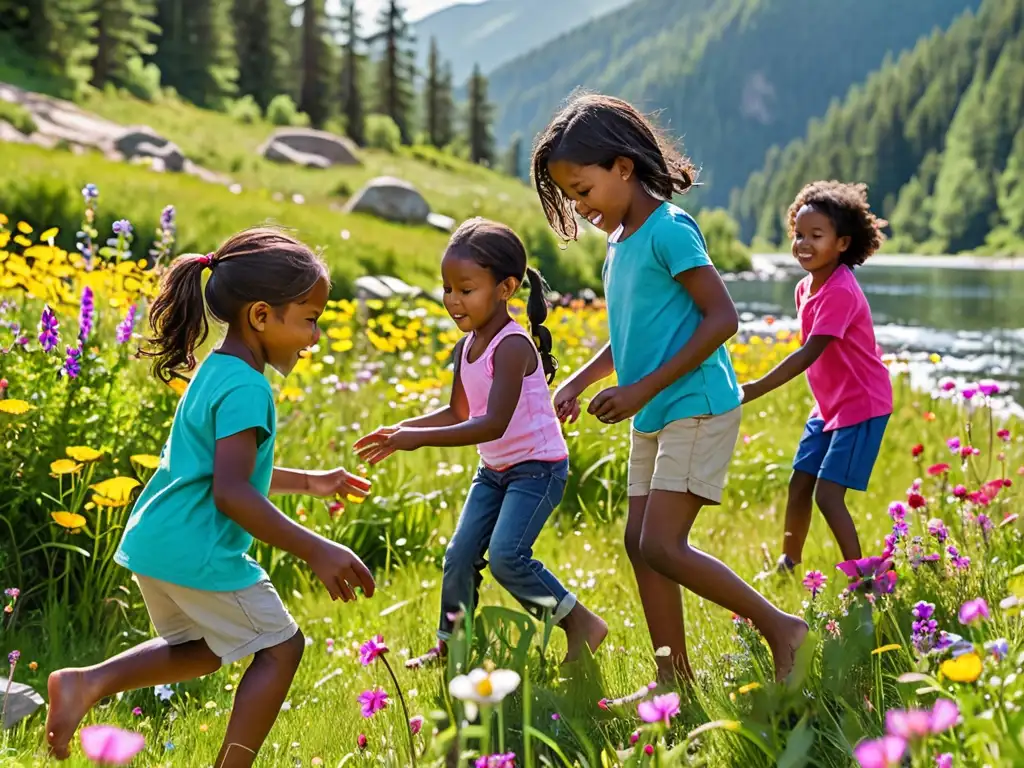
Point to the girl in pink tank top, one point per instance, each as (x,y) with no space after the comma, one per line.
(501,403)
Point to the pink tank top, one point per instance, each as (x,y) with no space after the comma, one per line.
(534,433)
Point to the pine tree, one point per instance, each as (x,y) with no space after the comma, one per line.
(479,116)
(351,83)
(397,67)
(431,93)
(313,96)
(514,159)
(57,34)
(263,56)
(1011,190)
(196,50)
(445,106)
(123,32)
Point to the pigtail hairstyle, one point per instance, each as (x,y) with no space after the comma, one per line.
(498,249)
(261,264)
(595,130)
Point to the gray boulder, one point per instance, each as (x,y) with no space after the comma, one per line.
(22,701)
(392,199)
(298,145)
(143,142)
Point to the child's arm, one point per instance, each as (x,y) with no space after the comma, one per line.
(718,325)
(323,483)
(600,366)
(795,364)
(512,359)
(336,566)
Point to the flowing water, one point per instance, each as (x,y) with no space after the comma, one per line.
(972,316)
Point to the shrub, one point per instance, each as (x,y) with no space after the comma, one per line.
(722,235)
(245,110)
(143,80)
(282,111)
(383,133)
(18,116)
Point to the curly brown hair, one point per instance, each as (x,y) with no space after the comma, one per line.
(594,129)
(846,206)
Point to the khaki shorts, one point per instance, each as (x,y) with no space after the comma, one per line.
(234,624)
(689,455)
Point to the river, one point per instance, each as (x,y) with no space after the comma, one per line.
(969,312)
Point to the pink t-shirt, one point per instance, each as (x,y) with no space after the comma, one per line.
(534,433)
(850,383)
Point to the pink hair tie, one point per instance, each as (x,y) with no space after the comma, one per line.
(207,260)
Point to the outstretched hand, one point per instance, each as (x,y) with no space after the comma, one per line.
(338,482)
(384,441)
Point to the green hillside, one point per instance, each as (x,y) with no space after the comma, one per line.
(732,77)
(936,134)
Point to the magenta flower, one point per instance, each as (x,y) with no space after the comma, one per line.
(1004,435)
(371,650)
(416,724)
(107,745)
(507,760)
(361,741)
(945,760)
(659,709)
(886,752)
(916,500)
(12,592)
(953,444)
(12,657)
(137,712)
(49,337)
(814,582)
(968,450)
(960,563)
(988,387)
(974,610)
(937,528)
(959,491)
(897,510)
(372,701)
(874,574)
(913,724)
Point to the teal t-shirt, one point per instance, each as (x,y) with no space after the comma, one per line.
(175,532)
(651,317)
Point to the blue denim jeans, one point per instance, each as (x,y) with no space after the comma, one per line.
(504,513)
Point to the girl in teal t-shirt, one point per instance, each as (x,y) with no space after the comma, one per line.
(187,538)
(669,317)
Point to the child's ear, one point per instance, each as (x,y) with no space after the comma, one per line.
(257,314)
(507,288)
(843,243)
(623,167)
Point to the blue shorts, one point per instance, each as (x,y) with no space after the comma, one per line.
(844,456)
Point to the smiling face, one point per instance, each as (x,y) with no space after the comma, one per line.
(816,246)
(600,195)
(286,331)
(471,294)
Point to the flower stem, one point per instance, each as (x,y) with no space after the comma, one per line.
(405,710)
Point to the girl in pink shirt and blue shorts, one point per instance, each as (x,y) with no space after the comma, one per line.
(833,231)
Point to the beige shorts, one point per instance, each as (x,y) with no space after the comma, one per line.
(234,624)
(689,455)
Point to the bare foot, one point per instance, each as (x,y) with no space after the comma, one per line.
(69,702)
(583,626)
(784,646)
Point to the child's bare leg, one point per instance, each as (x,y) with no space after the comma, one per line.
(258,701)
(664,545)
(73,692)
(831,498)
(661,599)
(582,628)
(799,509)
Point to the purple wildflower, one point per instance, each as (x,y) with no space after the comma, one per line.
(900,529)
(960,563)
(73,363)
(938,529)
(974,610)
(12,657)
(814,582)
(90,192)
(122,227)
(988,387)
(86,314)
(49,338)
(371,650)
(998,648)
(897,510)
(507,760)
(659,709)
(125,327)
(953,444)
(372,701)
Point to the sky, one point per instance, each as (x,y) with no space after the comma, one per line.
(416,9)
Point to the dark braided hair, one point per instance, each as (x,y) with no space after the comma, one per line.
(261,264)
(499,250)
(595,130)
(846,206)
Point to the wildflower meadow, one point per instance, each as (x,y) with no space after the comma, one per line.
(914,659)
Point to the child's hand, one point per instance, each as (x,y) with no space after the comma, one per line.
(338,482)
(383,442)
(567,403)
(341,571)
(616,404)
